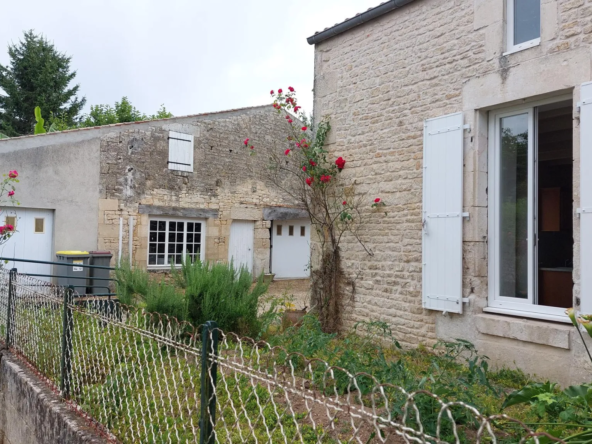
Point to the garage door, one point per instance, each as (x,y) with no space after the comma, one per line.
(32,240)
(290,249)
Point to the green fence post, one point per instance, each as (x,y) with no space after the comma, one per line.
(209,377)
(68,325)
(10,307)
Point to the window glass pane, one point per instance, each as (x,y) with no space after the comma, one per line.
(513,266)
(198,227)
(171,237)
(152,259)
(153,225)
(161,237)
(161,248)
(527,20)
(291,230)
(152,237)
(152,248)
(161,225)
(160,260)
(279,230)
(39,225)
(302,231)
(190,227)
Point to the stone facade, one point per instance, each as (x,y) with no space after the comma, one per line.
(227,182)
(378,82)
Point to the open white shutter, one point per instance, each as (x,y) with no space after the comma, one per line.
(585,209)
(180,151)
(442,213)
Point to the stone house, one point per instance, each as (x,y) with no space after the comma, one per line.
(156,191)
(472,120)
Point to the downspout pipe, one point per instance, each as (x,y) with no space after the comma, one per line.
(357,20)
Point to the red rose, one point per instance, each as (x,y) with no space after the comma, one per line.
(289,120)
(377,200)
(325,179)
(309,181)
(296,108)
(13,174)
(280,91)
(344,203)
(291,89)
(246,142)
(304,168)
(304,128)
(252,147)
(312,163)
(340,162)
(10,193)
(287,151)
(271,92)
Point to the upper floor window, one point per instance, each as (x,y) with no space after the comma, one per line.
(523,23)
(180,151)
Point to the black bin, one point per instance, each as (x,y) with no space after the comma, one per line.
(98,283)
(73,273)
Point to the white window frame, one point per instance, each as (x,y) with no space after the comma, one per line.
(497,303)
(511,47)
(175,219)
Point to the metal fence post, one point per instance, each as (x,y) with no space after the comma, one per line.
(66,361)
(10,307)
(209,376)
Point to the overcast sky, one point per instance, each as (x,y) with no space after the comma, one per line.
(193,56)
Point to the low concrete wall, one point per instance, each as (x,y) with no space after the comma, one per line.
(30,413)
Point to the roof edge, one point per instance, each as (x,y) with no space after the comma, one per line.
(359,19)
(115,125)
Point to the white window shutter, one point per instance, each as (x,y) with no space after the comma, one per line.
(585,209)
(180,151)
(443,213)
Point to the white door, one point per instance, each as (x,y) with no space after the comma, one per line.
(290,251)
(32,239)
(240,248)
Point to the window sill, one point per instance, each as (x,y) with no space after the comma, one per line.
(525,330)
(527,314)
(523,46)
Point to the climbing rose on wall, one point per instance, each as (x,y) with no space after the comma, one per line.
(12,174)
(307,173)
(7,192)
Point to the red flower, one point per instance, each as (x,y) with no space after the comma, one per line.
(377,200)
(297,144)
(10,193)
(291,89)
(280,91)
(296,108)
(246,142)
(312,163)
(325,179)
(344,203)
(252,147)
(13,174)
(289,120)
(304,168)
(271,92)
(304,128)
(287,151)
(309,181)
(340,162)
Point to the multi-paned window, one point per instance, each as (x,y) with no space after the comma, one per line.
(523,24)
(171,241)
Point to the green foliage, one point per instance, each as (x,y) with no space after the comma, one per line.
(122,112)
(39,121)
(4,136)
(221,293)
(37,75)
(198,293)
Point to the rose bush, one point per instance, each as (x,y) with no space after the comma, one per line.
(7,197)
(307,172)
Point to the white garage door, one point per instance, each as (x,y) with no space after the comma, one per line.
(32,240)
(240,248)
(290,251)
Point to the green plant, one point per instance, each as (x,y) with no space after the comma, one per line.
(132,283)
(39,121)
(166,299)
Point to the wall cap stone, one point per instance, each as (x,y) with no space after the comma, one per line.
(284,213)
(537,332)
(158,210)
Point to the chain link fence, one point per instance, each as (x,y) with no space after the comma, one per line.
(147,378)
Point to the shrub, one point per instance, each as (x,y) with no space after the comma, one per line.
(166,299)
(131,283)
(221,293)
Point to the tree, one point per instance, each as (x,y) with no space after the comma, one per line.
(122,112)
(37,75)
(305,171)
